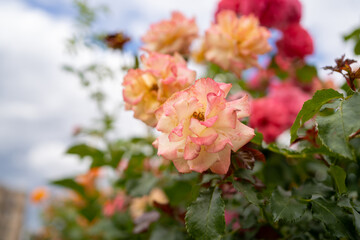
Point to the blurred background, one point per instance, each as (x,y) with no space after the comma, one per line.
(41,105)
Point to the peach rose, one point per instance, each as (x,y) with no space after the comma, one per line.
(200,128)
(138,205)
(171,36)
(234,43)
(146,89)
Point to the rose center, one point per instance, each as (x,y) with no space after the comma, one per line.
(199,116)
(154,87)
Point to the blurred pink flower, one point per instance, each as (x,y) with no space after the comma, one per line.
(275,113)
(200,128)
(232,217)
(145,90)
(170,36)
(234,43)
(295,43)
(271,13)
(115,205)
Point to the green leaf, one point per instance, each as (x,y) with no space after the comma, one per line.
(344,202)
(309,189)
(354,34)
(248,192)
(84,150)
(335,219)
(335,129)
(339,176)
(357,48)
(284,206)
(306,73)
(257,139)
(356,220)
(167,232)
(70,184)
(205,216)
(91,210)
(311,107)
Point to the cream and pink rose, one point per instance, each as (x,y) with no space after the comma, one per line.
(234,43)
(199,127)
(146,89)
(171,36)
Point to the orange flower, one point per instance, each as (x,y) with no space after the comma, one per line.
(39,195)
(88,179)
(170,36)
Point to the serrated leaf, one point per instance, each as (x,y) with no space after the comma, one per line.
(70,184)
(248,191)
(339,176)
(344,202)
(311,107)
(310,188)
(333,217)
(334,129)
(356,220)
(205,216)
(285,207)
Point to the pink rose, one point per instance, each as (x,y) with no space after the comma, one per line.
(232,217)
(170,36)
(115,205)
(271,13)
(234,43)
(295,43)
(275,113)
(200,128)
(146,89)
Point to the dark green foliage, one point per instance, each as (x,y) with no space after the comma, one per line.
(205,216)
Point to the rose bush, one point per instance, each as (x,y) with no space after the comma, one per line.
(201,172)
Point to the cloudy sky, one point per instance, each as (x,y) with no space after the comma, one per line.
(40,104)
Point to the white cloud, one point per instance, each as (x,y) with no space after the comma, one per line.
(40,103)
(48,160)
(328,21)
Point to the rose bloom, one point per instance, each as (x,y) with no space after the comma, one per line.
(275,113)
(115,205)
(295,43)
(146,89)
(234,43)
(39,195)
(271,13)
(138,205)
(88,179)
(171,36)
(200,128)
